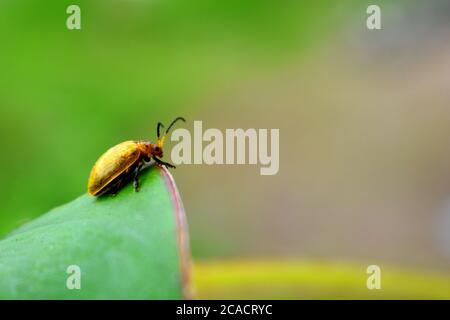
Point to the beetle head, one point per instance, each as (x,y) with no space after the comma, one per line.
(157,150)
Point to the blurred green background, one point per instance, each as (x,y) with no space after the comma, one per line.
(364,118)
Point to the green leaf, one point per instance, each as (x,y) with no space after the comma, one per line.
(132,246)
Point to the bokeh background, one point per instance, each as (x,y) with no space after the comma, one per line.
(364,119)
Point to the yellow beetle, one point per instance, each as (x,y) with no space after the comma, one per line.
(124,161)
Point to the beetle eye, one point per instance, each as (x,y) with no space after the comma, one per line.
(157,149)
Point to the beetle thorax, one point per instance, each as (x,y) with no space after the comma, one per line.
(150,149)
(145,148)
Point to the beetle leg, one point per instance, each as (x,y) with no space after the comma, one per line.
(160,162)
(136,183)
(115,189)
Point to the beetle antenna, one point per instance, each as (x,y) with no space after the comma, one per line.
(161,140)
(158,129)
(173,122)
